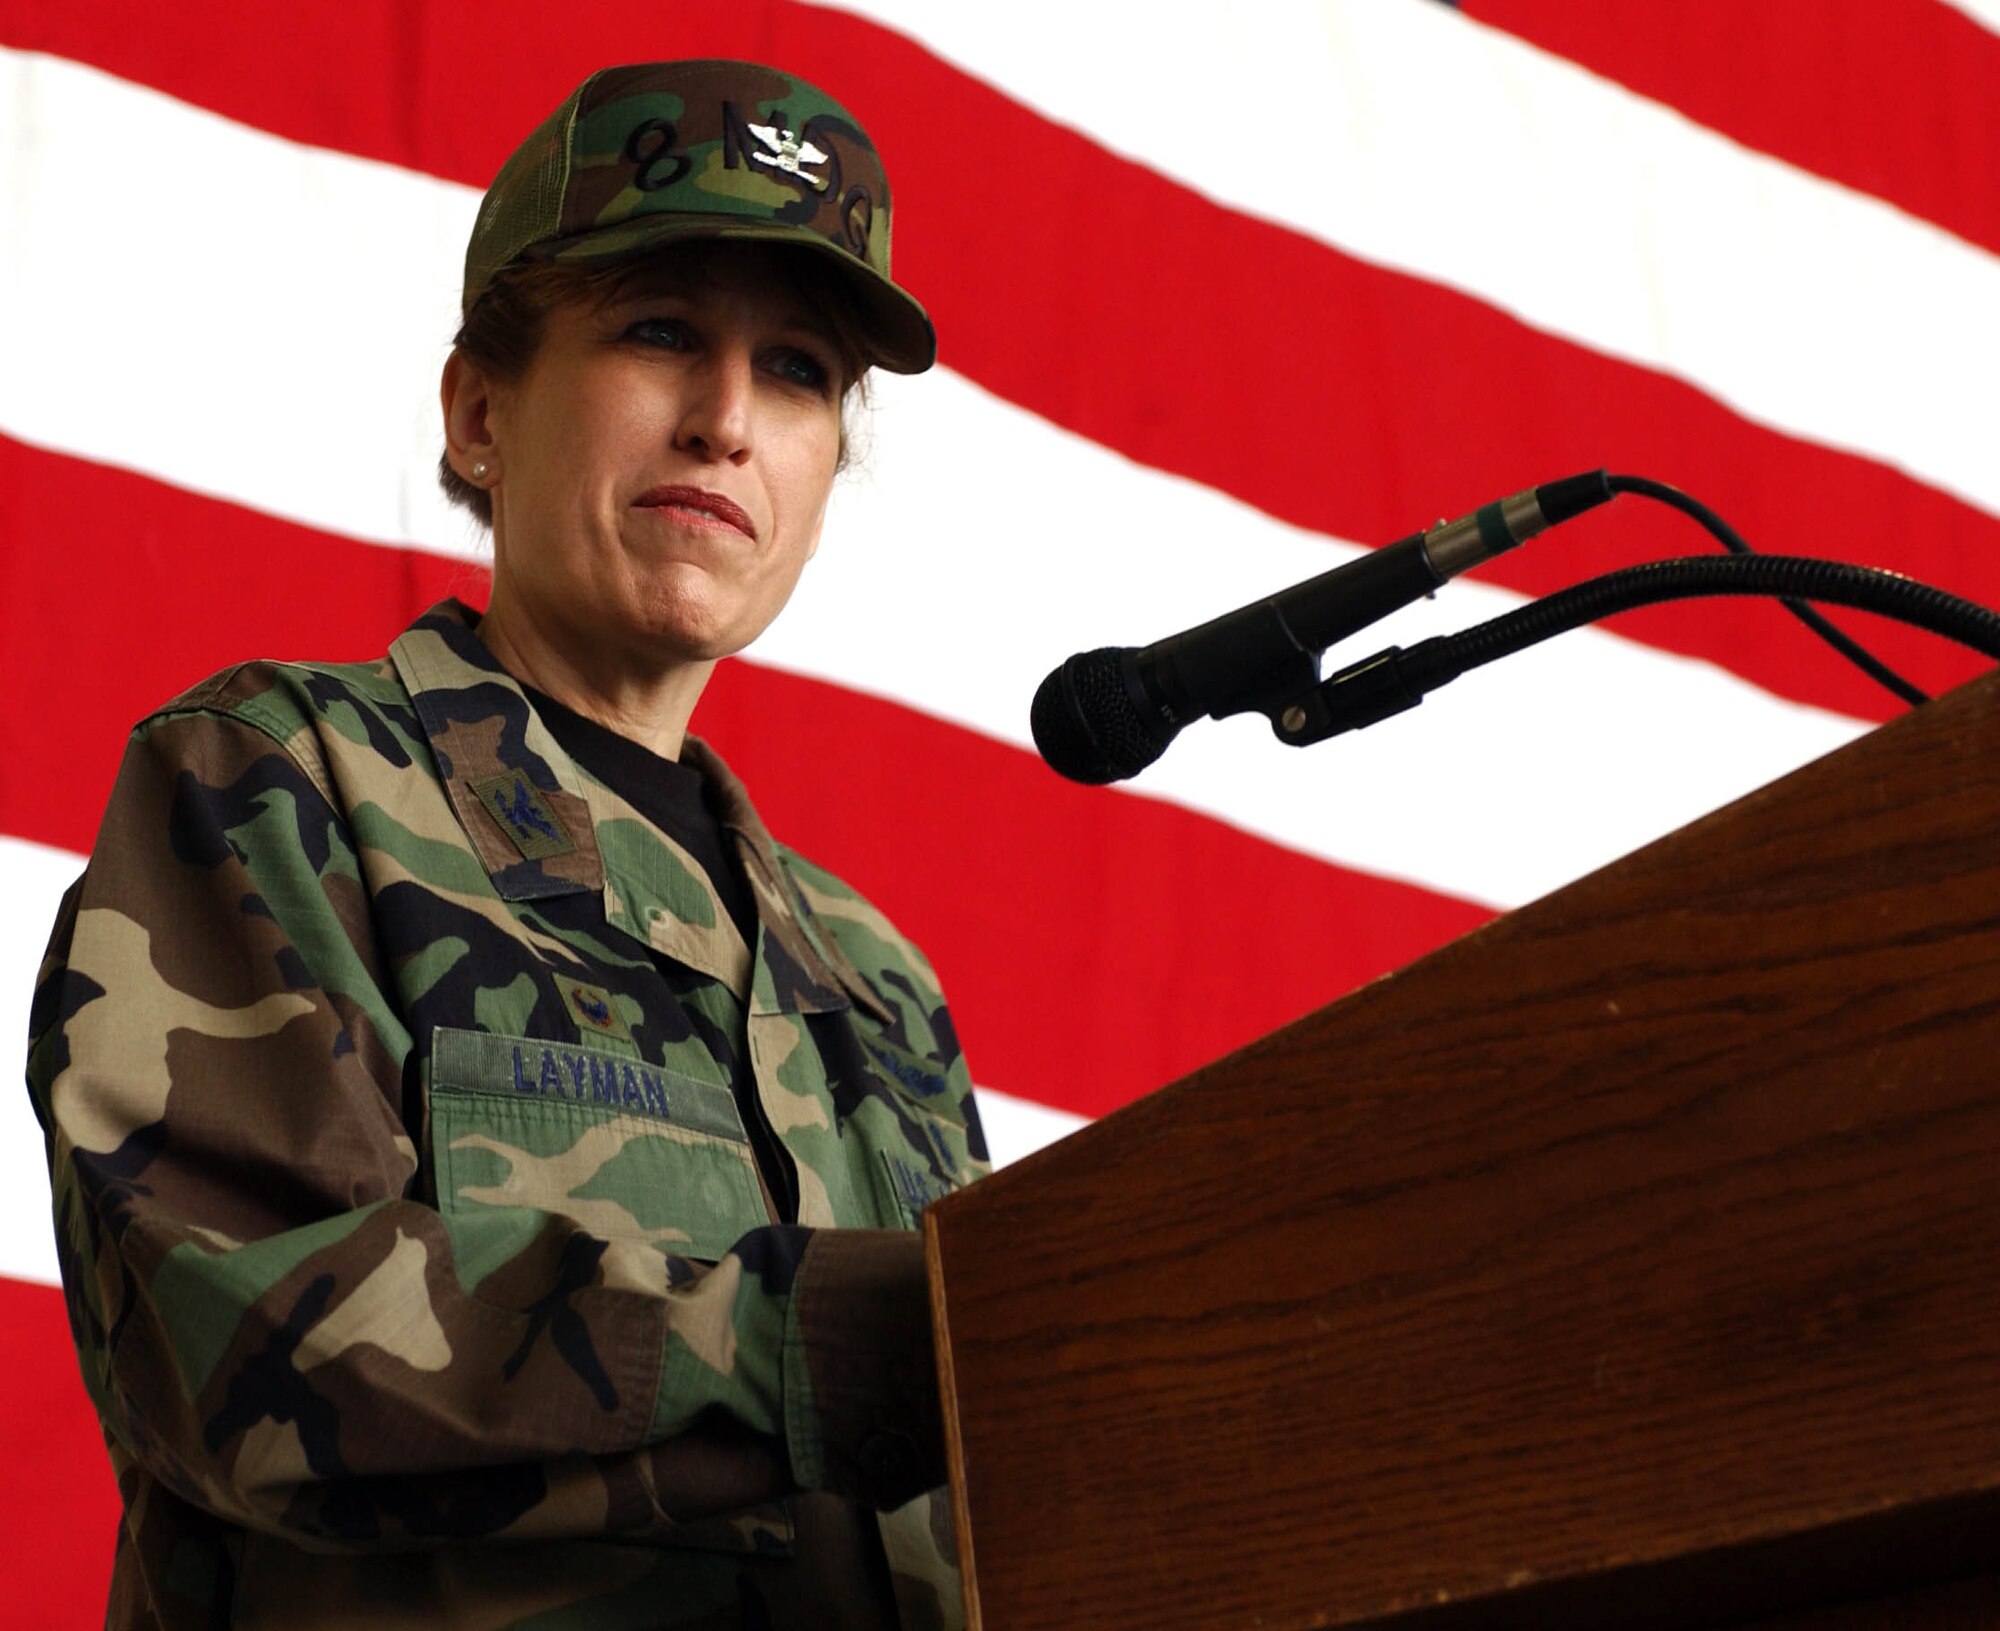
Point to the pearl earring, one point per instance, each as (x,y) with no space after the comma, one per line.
(479,470)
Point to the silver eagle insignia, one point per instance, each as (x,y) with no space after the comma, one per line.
(789,154)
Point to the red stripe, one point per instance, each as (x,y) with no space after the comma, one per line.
(1325,391)
(1898,98)
(120,592)
(59,1517)
(1095,944)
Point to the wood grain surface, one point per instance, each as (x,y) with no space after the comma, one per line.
(1629,1262)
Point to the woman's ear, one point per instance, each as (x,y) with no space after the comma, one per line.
(465,394)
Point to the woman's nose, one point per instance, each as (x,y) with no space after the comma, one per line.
(717,415)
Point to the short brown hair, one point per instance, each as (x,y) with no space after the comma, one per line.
(504,329)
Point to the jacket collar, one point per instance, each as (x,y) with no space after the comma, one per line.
(541,827)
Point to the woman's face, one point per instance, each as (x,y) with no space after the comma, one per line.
(661,470)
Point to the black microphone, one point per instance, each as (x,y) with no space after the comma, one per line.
(1107,714)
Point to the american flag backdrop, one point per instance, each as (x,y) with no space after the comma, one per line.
(1226,294)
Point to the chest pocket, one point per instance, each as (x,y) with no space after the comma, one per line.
(923,1148)
(626,1151)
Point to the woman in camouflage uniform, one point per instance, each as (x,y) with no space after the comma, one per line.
(451,1088)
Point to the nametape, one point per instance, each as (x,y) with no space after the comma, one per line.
(526,1068)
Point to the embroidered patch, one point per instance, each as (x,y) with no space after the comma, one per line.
(524,815)
(593,1010)
(923,1077)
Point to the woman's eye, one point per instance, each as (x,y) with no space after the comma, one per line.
(802,368)
(669,332)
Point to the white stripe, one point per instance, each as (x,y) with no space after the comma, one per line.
(257,320)
(1018,1127)
(32,880)
(981,547)
(1986,13)
(1412,137)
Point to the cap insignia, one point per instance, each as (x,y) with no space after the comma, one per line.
(789,154)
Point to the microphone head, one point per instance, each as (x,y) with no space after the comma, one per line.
(1091,721)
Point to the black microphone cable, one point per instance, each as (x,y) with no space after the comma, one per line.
(1732,540)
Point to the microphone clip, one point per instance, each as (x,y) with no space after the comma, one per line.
(1362,694)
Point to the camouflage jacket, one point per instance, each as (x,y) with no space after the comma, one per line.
(417,1261)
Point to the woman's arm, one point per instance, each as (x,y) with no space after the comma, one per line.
(272,1318)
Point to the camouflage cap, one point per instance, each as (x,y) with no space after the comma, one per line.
(659,153)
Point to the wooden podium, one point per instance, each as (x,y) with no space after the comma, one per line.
(1633,1261)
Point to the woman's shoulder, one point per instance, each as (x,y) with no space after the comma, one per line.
(314,713)
(291,690)
(281,697)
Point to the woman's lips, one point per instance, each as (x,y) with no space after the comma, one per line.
(697,506)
